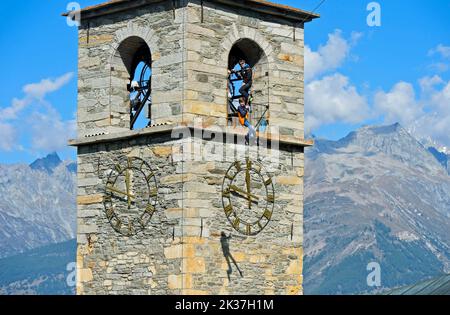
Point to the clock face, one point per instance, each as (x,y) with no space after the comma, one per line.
(248,197)
(131,196)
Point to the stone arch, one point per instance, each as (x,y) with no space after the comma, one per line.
(239,33)
(134,30)
(249,50)
(249,43)
(126,53)
(128,42)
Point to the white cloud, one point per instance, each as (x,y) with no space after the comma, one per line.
(41,89)
(439,67)
(426,115)
(7,137)
(428,83)
(34,92)
(433,126)
(355,37)
(17,106)
(443,51)
(399,104)
(440,101)
(42,123)
(330,56)
(333,99)
(49,132)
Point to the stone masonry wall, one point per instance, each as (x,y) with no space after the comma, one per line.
(108,262)
(208,44)
(271,262)
(103,101)
(181,252)
(187,81)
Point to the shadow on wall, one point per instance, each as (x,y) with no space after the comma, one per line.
(225,242)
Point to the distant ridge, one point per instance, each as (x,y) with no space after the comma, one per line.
(41,271)
(376,195)
(436,286)
(442,158)
(38,204)
(47,164)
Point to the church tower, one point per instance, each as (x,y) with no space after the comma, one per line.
(175,196)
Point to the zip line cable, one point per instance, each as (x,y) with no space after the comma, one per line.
(317,7)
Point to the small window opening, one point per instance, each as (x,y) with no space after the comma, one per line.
(136,58)
(140,90)
(248,87)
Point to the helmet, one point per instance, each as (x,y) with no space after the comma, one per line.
(134,85)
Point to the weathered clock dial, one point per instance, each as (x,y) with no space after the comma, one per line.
(248,197)
(131,196)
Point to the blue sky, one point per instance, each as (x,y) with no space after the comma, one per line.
(356,74)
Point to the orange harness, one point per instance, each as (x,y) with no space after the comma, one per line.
(242,119)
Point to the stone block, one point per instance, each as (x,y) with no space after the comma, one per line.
(189,250)
(90,199)
(90,181)
(239,256)
(174,282)
(199,30)
(257,258)
(85,275)
(162,151)
(291,48)
(174,213)
(294,290)
(288,180)
(194,265)
(88,213)
(87,229)
(173,252)
(295,268)
(205,108)
(179,178)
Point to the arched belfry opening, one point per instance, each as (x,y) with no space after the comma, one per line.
(132,64)
(258,102)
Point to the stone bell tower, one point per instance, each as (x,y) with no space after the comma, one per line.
(171,198)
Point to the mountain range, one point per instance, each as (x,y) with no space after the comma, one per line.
(47,270)
(377,195)
(38,204)
(442,158)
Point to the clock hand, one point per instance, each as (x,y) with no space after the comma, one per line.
(247,195)
(127,183)
(253,201)
(114,189)
(247,182)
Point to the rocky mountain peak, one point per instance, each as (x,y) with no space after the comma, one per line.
(376,195)
(392,140)
(47,164)
(368,136)
(38,206)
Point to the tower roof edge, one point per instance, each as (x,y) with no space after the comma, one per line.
(261,6)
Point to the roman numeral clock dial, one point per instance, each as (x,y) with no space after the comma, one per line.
(131,196)
(248,197)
